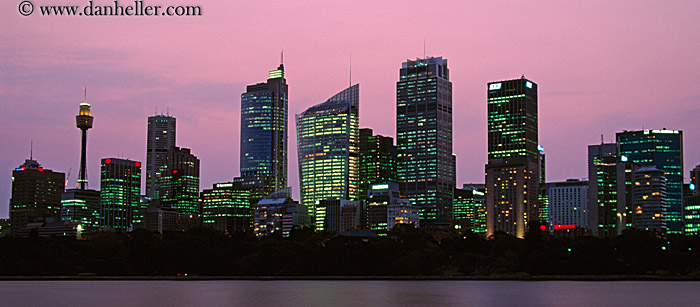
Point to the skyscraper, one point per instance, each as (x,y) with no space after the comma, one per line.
(513,169)
(264,135)
(36,195)
(179,182)
(691,211)
(328,151)
(120,189)
(650,199)
(425,162)
(161,137)
(377,160)
(662,149)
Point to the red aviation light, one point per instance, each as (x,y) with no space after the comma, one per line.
(41,169)
(543,227)
(138,164)
(557,227)
(108,161)
(174,171)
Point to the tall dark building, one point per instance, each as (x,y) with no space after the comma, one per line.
(425,162)
(179,182)
(691,210)
(328,149)
(161,137)
(377,160)
(120,190)
(36,195)
(610,190)
(84,122)
(264,135)
(513,169)
(662,149)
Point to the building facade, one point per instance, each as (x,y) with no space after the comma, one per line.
(650,199)
(179,182)
(263,159)
(227,208)
(328,149)
(691,210)
(377,160)
(662,149)
(81,206)
(120,190)
(425,160)
(470,209)
(568,203)
(36,195)
(161,137)
(513,169)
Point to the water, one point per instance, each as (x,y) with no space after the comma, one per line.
(348,293)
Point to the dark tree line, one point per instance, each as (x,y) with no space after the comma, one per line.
(406,251)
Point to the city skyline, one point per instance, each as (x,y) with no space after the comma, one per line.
(612,65)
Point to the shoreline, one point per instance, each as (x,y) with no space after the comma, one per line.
(360,278)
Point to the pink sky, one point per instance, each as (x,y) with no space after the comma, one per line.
(601,67)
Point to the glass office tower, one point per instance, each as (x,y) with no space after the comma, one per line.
(425,162)
(513,169)
(328,149)
(120,190)
(662,149)
(264,135)
(161,137)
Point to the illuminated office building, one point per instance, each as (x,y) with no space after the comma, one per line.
(180,181)
(470,209)
(81,206)
(650,199)
(662,149)
(610,190)
(263,159)
(691,210)
(161,137)
(514,165)
(568,203)
(328,149)
(278,214)
(120,190)
(36,195)
(425,160)
(226,207)
(377,160)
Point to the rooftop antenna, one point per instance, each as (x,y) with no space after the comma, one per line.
(282,57)
(167,111)
(602,141)
(85,95)
(350,69)
(31,150)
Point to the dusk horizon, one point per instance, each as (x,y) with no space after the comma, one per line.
(601,69)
